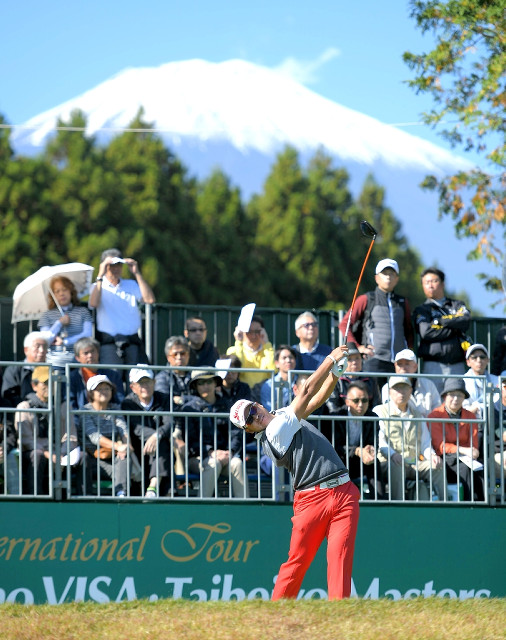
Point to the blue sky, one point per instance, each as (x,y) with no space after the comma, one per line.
(349,52)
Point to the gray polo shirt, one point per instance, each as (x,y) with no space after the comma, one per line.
(309,456)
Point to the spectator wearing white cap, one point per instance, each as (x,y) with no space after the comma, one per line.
(441,323)
(116,301)
(424,395)
(106,434)
(381,321)
(404,444)
(150,433)
(477,378)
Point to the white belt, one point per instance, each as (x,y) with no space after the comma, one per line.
(330,484)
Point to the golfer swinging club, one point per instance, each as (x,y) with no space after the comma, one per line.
(325,503)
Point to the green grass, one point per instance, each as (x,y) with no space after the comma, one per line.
(355,619)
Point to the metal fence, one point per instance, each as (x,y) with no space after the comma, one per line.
(63,463)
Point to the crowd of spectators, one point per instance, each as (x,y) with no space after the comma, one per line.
(137,431)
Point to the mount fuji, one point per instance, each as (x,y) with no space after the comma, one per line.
(237,115)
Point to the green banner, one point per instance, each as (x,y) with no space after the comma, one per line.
(109,551)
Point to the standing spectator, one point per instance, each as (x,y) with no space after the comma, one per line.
(310,353)
(107,434)
(477,360)
(441,324)
(356,440)
(354,367)
(87,352)
(254,351)
(456,439)
(232,388)
(150,435)
(213,444)
(424,395)
(499,357)
(278,387)
(175,382)
(33,433)
(381,321)
(203,353)
(405,445)
(17,380)
(118,316)
(75,323)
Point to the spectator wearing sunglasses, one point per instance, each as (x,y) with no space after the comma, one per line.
(356,440)
(254,350)
(203,353)
(476,380)
(310,353)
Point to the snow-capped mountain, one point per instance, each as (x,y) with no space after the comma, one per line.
(238,115)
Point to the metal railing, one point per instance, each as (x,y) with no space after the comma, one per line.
(73,474)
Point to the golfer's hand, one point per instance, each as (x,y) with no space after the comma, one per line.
(340,352)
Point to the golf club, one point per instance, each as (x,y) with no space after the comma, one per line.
(369,232)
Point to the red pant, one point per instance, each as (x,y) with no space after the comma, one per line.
(319,514)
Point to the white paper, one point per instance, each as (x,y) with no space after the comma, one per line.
(247,312)
(116,260)
(224,365)
(73,457)
(472,464)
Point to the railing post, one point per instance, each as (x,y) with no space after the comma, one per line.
(491,494)
(58,379)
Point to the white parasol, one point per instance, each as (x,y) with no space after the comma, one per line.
(30,296)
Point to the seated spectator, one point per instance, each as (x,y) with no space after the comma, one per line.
(203,353)
(87,351)
(175,382)
(64,330)
(34,436)
(118,316)
(216,435)
(454,440)
(356,440)
(107,435)
(498,366)
(477,360)
(278,388)
(9,466)
(310,353)
(254,351)
(233,389)
(17,380)
(150,435)
(337,398)
(405,445)
(424,395)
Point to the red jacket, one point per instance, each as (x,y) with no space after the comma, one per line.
(444,434)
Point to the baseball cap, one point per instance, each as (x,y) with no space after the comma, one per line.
(41,374)
(477,347)
(393,381)
(94,381)
(140,372)
(384,264)
(405,354)
(239,412)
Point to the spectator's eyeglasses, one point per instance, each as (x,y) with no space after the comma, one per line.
(201,329)
(251,415)
(359,400)
(257,332)
(308,325)
(478,357)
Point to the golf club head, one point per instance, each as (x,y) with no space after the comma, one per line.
(368,230)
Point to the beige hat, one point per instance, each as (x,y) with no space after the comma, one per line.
(393,381)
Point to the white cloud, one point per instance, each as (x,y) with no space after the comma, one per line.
(305,71)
